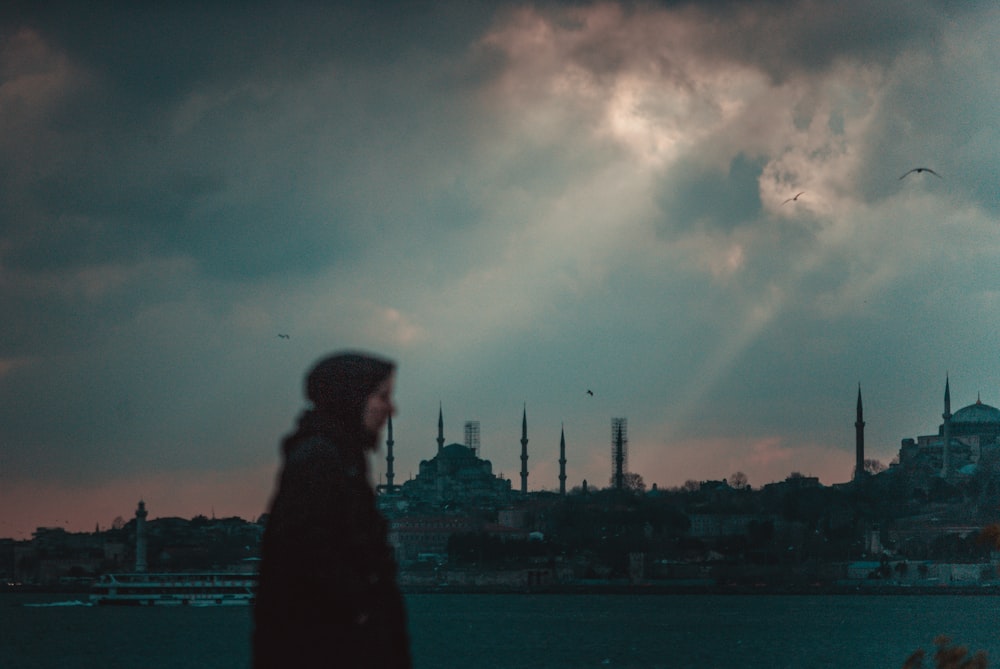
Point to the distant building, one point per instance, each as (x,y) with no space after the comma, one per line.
(417,537)
(456,475)
(793,482)
(963,440)
(448,496)
(714,525)
(515,517)
(7,559)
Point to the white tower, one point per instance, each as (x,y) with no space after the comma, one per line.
(140,537)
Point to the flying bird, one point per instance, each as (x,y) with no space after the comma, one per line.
(590,392)
(284,336)
(793,199)
(918,170)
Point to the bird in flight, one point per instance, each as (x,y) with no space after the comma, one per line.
(590,392)
(793,199)
(918,170)
(284,336)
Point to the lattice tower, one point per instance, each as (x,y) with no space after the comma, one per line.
(472,435)
(619,452)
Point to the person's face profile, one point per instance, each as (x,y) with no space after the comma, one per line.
(379,405)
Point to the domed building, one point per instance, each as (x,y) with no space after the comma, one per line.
(977,421)
(961,442)
(457,475)
(447,497)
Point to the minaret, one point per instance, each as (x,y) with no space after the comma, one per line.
(440,438)
(389,459)
(562,460)
(859,441)
(524,450)
(946,428)
(439,478)
(140,537)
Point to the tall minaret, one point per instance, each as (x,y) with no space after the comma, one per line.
(859,441)
(946,428)
(524,450)
(389,459)
(562,460)
(140,537)
(440,438)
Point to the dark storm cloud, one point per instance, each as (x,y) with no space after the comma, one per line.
(813,36)
(709,198)
(785,37)
(159,50)
(173,140)
(116,160)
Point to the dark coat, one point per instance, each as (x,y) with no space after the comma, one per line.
(327,595)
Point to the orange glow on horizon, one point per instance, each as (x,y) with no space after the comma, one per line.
(24,507)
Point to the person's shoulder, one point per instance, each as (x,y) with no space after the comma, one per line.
(311,449)
(322,450)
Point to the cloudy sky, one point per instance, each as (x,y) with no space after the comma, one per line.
(517,202)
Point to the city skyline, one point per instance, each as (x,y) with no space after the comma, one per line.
(692,210)
(380,466)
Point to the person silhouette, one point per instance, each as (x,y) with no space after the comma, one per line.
(327,593)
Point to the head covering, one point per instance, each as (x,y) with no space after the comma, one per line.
(338,386)
(341,383)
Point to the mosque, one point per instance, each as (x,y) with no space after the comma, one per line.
(964,439)
(457,475)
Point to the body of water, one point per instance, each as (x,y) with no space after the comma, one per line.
(527,631)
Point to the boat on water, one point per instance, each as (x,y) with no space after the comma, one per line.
(174,589)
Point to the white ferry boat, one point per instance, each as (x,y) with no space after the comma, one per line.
(180,589)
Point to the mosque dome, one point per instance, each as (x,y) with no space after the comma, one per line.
(457,452)
(977,414)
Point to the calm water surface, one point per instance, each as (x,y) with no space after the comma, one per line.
(551,631)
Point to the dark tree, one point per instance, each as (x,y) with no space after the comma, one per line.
(873,466)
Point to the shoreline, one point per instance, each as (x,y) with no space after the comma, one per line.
(651,588)
(706,589)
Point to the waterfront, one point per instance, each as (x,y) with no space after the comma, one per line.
(552,631)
